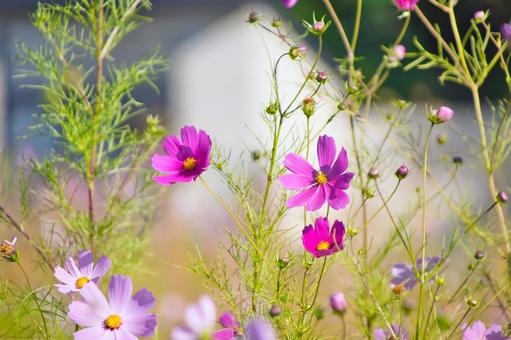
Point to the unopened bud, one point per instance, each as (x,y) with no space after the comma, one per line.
(441,139)
(502,197)
(373,173)
(441,115)
(296,52)
(277,23)
(472,303)
(457,160)
(275,310)
(309,106)
(322,77)
(272,108)
(253,17)
(479,255)
(402,172)
(338,303)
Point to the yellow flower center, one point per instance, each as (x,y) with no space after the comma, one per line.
(323,245)
(321,178)
(189,164)
(113,322)
(398,289)
(81,282)
(6,248)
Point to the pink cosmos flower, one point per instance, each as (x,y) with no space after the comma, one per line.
(185,159)
(289,3)
(200,321)
(327,184)
(385,334)
(320,240)
(74,277)
(404,275)
(123,317)
(406,5)
(478,331)
(260,329)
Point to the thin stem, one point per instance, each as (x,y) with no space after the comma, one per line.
(457,39)
(424,232)
(340,29)
(462,284)
(455,328)
(356,29)
(32,292)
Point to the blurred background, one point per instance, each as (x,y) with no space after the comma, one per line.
(218,80)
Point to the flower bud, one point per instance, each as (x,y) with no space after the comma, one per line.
(309,106)
(338,303)
(479,255)
(275,310)
(255,155)
(472,266)
(321,77)
(440,115)
(402,172)
(277,23)
(479,16)
(318,27)
(397,53)
(229,320)
(458,160)
(373,173)
(439,280)
(368,193)
(296,52)
(471,302)
(8,250)
(351,232)
(319,313)
(272,108)
(253,17)
(502,197)
(283,261)
(441,139)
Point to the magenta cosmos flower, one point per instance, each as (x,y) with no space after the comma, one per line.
(326,184)
(406,5)
(185,158)
(478,331)
(200,319)
(74,277)
(289,3)
(123,317)
(320,240)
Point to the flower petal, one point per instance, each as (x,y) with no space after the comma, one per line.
(298,165)
(340,165)
(123,334)
(164,163)
(63,276)
(317,200)
(181,333)
(101,267)
(223,334)
(338,199)
(322,228)
(326,151)
(142,325)
(190,137)
(85,262)
(119,292)
(292,181)
(84,315)
(475,332)
(172,178)
(140,303)
(337,234)
(310,239)
(171,145)
(93,296)
(301,198)
(96,332)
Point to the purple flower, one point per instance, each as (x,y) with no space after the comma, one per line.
(327,184)
(200,321)
(445,113)
(185,159)
(502,197)
(229,320)
(505,31)
(260,329)
(8,250)
(73,278)
(381,334)
(122,317)
(402,172)
(406,5)
(404,275)
(479,15)
(478,331)
(289,3)
(338,302)
(320,240)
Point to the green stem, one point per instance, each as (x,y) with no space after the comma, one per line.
(33,294)
(356,29)
(424,233)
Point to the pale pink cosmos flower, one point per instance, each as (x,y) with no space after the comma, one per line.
(289,3)
(122,317)
(478,331)
(74,277)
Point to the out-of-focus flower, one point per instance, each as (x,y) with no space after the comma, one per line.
(253,17)
(338,302)
(74,277)
(320,240)
(289,3)
(318,27)
(458,160)
(404,275)
(402,172)
(327,184)
(478,331)
(441,115)
(505,31)
(296,52)
(406,5)
(373,173)
(185,159)
(229,320)
(122,317)
(275,310)
(397,53)
(260,329)
(8,250)
(200,319)
(385,334)
(308,106)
